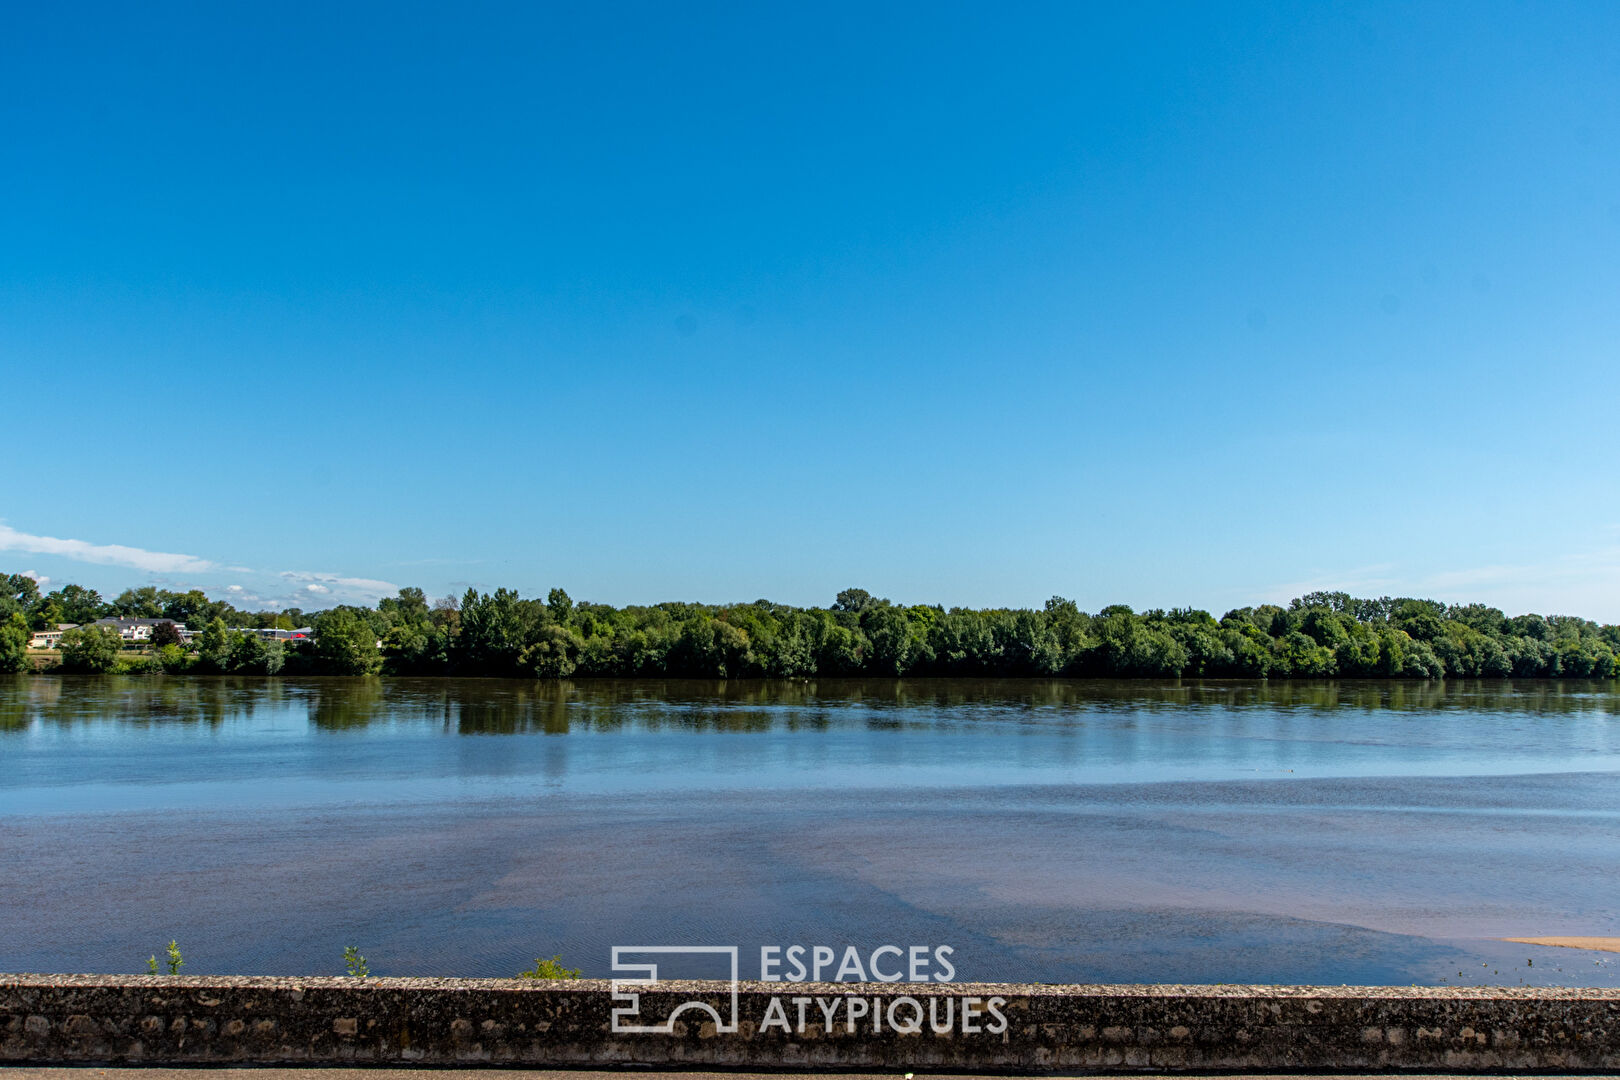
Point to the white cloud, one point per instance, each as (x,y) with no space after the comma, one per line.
(171,570)
(246,599)
(1585,583)
(39,579)
(158,562)
(339,587)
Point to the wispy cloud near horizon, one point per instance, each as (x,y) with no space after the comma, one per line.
(339,587)
(276,589)
(1585,583)
(156,562)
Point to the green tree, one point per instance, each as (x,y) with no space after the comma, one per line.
(250,654)
(856,601)
(214,646)
(346,644)
(839,649)
(554,654)
(791,652)
(1298,654)
(14,635)
(145,602)
(80,605)
(1069,625)
(1028,644)
(18,594)
(193,609)
(1207,650)
(415,649)
(893,647)
(409,608)
(47,613)
(559,604)
(90,649)
(494,632)
(1487,620)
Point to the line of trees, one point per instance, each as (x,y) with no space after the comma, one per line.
(1323,634)
(76,604)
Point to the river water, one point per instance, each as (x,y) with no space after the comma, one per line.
(1046,831)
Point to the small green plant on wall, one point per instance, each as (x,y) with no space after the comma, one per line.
(550,969)
(355,962)
(175,960)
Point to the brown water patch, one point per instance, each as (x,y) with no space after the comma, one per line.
(1599,944)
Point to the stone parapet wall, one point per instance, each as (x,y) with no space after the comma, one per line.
(144,1019)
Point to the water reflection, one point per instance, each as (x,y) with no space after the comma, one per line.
(136,700)
(347,703)
(496,707)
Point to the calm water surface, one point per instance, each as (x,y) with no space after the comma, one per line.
(1048,831)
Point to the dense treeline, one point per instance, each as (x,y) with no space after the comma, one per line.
(76,604)
(502,634)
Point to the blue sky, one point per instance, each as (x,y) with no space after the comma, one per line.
(1164,305)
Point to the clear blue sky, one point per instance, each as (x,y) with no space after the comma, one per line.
(1194,304)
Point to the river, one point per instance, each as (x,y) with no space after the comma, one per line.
(1046,831)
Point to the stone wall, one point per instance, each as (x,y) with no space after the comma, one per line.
(1010,1028)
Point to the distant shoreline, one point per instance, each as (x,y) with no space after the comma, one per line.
(503,634)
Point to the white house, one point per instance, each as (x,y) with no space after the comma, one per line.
(50,639)
(136,629)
